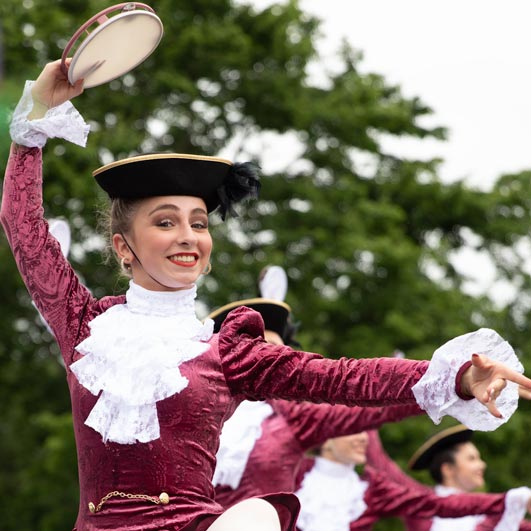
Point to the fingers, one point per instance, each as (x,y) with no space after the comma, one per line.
(516,377)
(77,87)
(491,406)
(524,393)
(493,392)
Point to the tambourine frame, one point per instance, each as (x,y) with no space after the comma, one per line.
(102,20)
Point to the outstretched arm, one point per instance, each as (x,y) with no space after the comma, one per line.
(259,370)
(313,424)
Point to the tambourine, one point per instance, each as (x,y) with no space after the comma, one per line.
(116,44)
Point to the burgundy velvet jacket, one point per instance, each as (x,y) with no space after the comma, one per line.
(240,365)
(293,429)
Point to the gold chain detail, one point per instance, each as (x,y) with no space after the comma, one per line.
(157,500)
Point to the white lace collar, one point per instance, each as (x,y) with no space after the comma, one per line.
(237,441)
(331,497)
(443,490)
(132,357)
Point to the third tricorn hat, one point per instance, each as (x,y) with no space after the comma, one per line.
(274,313)
(217,181)
(423,457)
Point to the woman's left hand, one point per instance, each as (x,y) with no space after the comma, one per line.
(485,379)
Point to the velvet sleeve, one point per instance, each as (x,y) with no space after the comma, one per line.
(387,498)
(49,278)
(312,424)
(259,370)
(379,459)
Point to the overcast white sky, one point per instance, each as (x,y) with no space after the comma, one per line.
(470,60)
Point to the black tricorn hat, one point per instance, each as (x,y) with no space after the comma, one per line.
(219,182)
(423,457)
(274,313)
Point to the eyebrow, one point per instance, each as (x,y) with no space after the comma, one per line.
(171,206)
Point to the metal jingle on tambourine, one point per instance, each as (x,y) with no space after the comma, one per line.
(115,46)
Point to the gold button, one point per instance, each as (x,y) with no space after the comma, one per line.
(164,498)
(92,507)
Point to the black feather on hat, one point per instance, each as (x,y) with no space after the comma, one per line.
(219,182)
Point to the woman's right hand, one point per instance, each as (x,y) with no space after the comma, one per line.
(52,88)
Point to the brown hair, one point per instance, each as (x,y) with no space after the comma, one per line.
(117,218)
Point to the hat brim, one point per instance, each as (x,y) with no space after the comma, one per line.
(274,313)
(165,174)
(423,457)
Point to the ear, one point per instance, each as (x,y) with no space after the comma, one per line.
(121,248)
(446,470)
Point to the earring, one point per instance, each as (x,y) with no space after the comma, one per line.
(126,266)
(207,269)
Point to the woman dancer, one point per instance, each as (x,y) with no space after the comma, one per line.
(455,464)
(150,385)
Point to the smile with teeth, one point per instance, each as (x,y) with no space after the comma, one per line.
(184,259)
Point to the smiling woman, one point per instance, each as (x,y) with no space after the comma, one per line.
(177,242)
(150,384)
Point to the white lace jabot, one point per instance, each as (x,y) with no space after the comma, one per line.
(331,497)
(132,357)
(237,441)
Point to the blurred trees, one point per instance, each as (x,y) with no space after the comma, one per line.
(367,239)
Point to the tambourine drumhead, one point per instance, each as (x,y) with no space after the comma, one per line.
(115,47)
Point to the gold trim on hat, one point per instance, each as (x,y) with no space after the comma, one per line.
(155,156)
(435,439)
(248,302)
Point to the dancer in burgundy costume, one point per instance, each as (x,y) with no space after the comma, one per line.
(456,466)
(263,443)
(263,447)
(150,385)
(335,498)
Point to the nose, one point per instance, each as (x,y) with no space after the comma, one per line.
(187,236)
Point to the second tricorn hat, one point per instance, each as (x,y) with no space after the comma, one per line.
(423,457)
(274,313)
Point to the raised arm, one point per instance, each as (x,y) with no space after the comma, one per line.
(379,459)
(50,280)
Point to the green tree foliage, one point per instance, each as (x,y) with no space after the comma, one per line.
(367,239)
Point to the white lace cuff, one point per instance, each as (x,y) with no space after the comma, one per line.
(516,501)
(63,121)
(435,391)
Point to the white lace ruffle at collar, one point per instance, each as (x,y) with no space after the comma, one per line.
(238,437)
(132,357)
(331,497)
